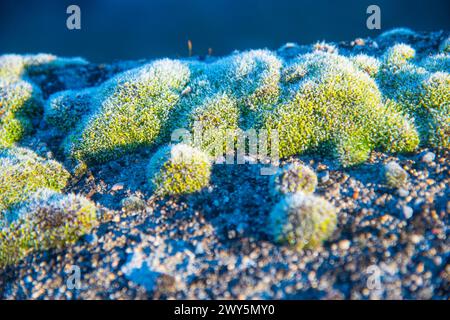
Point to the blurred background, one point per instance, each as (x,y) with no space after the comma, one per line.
(132,29)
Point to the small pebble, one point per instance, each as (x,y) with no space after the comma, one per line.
(428,157)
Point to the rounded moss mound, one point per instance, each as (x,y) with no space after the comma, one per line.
(394,175)
(65,109)
(420,92)
(366,63)
(46,219)
(20,101)
(130,111)
(445,45)
(294,178)
(178,169)
(336,109)
(23,172)
(302,221)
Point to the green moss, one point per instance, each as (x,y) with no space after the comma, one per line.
(302,221)
(366,63)
(252,78)
(445,45)
(17,66)
(178,169)
(65,109)
(319,102)
(46,219)
(20,101)
(438,62)
(23,172)
(335,109)
(294,178)
(394,175)
(421,93)
(130,111)
(399,55)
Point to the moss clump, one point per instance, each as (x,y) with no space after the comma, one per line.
(302,221)
(421,94)
(23,172)
(20,101)
(394,175)
(65,109)
(252,77)
(399,55)
(129,111)
(336,109)
(178,169)
(319,102)
(214,120)
(46,219)
(366,63)
(294,178)
(445,45)
(437,62)
(16,66)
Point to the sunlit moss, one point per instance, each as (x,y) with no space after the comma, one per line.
(178,169)
(23,172)
(130,111)
(302,221)
(46,219)
(336,109)
(293,178)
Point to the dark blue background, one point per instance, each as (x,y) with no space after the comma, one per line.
(130,29)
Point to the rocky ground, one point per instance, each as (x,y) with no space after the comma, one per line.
(389,244)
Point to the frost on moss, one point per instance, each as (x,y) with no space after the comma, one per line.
(294,178)
(129,111)
(318,102)
(252,77)
(366,63)
(65,109)
(336,109)
(438,62)
(20,101)
(46,219)
(23,172)
(302,221)
(422,94)
(178,169)
(445,45)
(17,66)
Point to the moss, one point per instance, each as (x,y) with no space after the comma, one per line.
(65,109)
(23,172)
(394,175)
(319,102)
(17,66)
(399,55)
(294,178)
(445,45)
(251,77)
(215,118)
(178,169)
(335,109)
(46,219)
(20,101)
(437,62)
(420,93)
(129,111)
(366,63)
(302,221)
